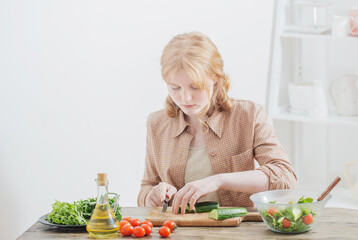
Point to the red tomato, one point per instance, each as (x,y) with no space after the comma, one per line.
(127,219)
(272,211)
(148,222)
(127,230)
(138,232)
(122,223)
(164,231)
(308,219)
(170,224)
(286,223)
(147,228)
(135,222)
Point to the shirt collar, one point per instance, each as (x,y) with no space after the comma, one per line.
(215,123)
(181,124)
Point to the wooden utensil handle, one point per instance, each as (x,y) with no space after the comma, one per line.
(329,188)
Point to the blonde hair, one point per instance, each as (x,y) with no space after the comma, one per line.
(196,55)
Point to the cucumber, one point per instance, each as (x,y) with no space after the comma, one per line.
(280,219)
(296,213)
(201,207)
(206,206)
(225,213)
(187,209)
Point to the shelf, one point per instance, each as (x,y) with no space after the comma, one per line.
(315,3)
(305,50)
(331,118)
(325,36)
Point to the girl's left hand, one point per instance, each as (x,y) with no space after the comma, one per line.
(192,191)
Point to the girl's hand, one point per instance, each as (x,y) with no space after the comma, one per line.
(157,195)
(192,191)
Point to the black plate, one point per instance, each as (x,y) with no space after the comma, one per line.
(44,221)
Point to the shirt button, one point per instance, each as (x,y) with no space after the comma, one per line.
(212,154)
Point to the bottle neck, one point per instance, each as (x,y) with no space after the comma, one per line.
(102,194)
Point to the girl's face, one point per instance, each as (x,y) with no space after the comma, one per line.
(187,96)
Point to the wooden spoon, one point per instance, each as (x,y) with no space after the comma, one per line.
(329,188)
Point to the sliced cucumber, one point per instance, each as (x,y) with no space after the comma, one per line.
(225,213)
(187,209)
(297,213)
(201,207)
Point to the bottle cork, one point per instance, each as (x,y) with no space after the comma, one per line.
(102,179)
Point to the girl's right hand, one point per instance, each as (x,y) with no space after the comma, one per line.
(157,195)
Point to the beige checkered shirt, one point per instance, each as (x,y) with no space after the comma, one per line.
(235,139)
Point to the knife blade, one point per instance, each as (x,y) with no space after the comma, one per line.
(165,204)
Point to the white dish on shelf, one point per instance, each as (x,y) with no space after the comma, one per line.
(307,29)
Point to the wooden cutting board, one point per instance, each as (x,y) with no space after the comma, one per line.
(157,217)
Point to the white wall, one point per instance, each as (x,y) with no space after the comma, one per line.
(79,78)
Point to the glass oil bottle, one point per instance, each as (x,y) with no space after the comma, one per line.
(103,223)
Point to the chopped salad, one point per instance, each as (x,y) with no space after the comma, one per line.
(291,219)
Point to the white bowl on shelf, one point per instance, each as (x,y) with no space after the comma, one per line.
(307,29)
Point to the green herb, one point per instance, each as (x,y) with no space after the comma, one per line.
(66,214)
(77,213)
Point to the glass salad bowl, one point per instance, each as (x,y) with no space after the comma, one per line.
(288,210)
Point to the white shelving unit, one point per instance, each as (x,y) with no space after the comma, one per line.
(318,147)
(325,36)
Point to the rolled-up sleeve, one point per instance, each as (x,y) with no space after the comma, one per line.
(151,176)
(270,155)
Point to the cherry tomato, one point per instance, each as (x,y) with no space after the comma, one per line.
(170,224)
(164,231)
(147,228)
(138,232)
(127,219)
(122,223)
(127,230)
(272,211)
(308,219)
(286,223)
(148,222)
(135,222)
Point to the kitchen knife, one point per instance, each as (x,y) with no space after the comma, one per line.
(165,204)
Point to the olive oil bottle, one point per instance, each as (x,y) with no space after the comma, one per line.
(103,223)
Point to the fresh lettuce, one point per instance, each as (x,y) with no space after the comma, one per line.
(305,200)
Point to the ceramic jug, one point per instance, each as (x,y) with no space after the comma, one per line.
(344,94)
(353,186)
